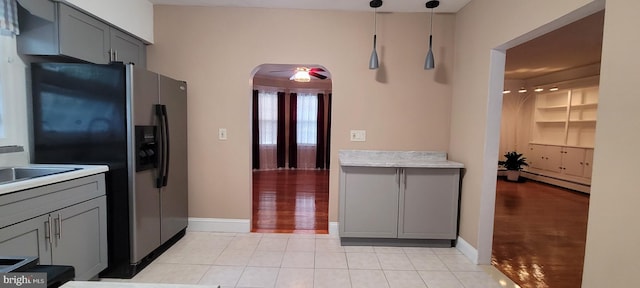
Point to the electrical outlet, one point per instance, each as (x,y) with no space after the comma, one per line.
(358,135)
(222,133)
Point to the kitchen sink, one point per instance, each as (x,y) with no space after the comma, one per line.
(10,263)
(17,174)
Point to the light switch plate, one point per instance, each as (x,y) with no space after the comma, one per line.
(358,135)
(222,133)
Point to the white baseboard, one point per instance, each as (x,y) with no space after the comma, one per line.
(333,229)
(467,250)
(558,182)
(219,225)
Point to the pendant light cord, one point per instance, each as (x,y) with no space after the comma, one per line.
(431,28)
(375,26)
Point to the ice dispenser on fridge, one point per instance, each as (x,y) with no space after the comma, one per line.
(146,148)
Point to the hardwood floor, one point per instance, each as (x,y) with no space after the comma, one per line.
(290,201)
(539,234)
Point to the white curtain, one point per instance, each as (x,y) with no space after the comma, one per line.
(9,17)
(307,127)
(268,127)
(8,28)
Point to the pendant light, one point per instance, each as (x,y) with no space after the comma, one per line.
(373,60)
(430,62)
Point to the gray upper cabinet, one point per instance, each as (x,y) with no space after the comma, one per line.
(82,36)
(127,49)
(55,29)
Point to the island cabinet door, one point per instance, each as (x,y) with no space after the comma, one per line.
(369,202)
(429,203)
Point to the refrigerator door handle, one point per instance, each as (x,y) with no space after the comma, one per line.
(160,179)
(166,143)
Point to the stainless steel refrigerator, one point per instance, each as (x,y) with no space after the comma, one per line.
(134,121)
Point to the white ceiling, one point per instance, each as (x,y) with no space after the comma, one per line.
(446,6)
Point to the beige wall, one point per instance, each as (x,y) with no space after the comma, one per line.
(480,27)
(611,255)
(401,106)
(611,258)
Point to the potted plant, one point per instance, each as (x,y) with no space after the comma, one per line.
(513,163)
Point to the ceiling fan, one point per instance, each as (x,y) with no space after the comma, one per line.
(303,74)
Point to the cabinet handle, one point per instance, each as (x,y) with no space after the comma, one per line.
(398,176)
(581,163)
(110,55)
(404,177)
(47,233)
(587,163)
(59,226)
(115,53)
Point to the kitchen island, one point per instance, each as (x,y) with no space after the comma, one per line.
(398,198)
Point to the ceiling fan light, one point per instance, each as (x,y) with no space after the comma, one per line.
(301,75)
(522,90)
(506,91)
(539,89)
(552,89)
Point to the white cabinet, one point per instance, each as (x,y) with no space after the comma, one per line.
(404,203)
(61,224)
(563,136)
(566,117)
(588,163)
(571,163)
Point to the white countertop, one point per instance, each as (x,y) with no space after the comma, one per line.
(406,159)
(105,284)
(84,170)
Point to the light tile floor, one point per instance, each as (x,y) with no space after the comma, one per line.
(314,261)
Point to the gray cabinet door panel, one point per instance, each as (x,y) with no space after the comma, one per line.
(27,238)
(429,203)
(127,49)
(369,202)
(78,236)
(82,36)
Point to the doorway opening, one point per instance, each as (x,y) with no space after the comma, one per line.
(291,128)
(549,114)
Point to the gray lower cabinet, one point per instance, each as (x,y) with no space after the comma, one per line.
(429,203)
(27,238)
(408,203)
(71,233)
(53,28)
(369,202)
